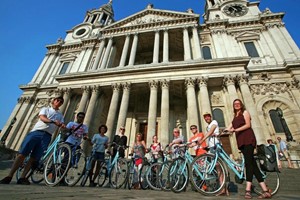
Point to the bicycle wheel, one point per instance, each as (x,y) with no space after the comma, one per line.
(142,176)
(86,173)
(207,178)
(57,165)
(21,168)
(152,176)
(178,175)
(103,174)
(131,174)
(76,169)
(271,179)
(118,173)
(163,176)
(37,175)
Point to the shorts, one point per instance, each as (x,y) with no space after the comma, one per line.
(286,154)
(138,161)
(36,143)
(99,156)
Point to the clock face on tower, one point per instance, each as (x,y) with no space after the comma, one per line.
(235,10)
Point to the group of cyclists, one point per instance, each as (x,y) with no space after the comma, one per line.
(37,141)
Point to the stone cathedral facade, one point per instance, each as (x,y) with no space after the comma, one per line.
(160,69)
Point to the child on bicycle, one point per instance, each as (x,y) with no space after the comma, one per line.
(100,143)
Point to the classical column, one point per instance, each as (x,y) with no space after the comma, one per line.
(106,54)
(133,49)
(250,106)
(84,99)
(166,46)
(99,54)
(204,100)
(156,47)
(67,94)
(152,112)
(124,51)
(90,113)
(186,44)
(124,105)
(196,43)
(164,127)
(229,82)
(191,103)
(112,110)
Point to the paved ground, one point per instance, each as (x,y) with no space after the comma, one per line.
(40,191)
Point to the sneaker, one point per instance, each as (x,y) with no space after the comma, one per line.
(23,181)
(6,180)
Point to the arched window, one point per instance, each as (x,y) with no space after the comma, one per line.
(279,123)
(206,53)
(276,121)
(219,117)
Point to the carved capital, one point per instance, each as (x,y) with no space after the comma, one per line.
(190,82)
(115,87)
(86,89)
(95,88)
(242,79)
(126,86)
(153,84)
(202,81)
(165,84)
(229,80)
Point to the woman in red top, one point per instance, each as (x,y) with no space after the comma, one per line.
(241,125)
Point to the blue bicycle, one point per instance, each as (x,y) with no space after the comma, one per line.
(57,154)
(213,165)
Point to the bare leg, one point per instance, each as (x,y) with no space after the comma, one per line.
(98,166)
(17,163)
(27,167)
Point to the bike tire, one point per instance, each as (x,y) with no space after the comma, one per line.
(152,176)
(271,180)
(37,174)
(205,178)
(76,169)
(103,175)
(118,173)
(142,176)
(130,178)
(178,175)
(57,165)
(163,176)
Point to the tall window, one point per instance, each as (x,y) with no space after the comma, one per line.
(206,53)
(64,68)
(219,117)
(251,50)
(280,124)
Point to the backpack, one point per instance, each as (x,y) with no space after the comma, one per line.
(267,157)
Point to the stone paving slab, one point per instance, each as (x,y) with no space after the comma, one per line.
(41,191)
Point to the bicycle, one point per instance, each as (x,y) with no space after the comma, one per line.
(37,171)
(216,172)
(181,168)
(157,173)
(77,165)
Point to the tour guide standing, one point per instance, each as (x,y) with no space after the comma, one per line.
(37,141)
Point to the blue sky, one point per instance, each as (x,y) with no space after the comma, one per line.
(28,26)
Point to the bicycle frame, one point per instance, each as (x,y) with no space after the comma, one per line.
(237,168)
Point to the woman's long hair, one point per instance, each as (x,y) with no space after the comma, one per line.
(242,107)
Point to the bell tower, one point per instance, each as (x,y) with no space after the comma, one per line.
(102,16)
(232,10)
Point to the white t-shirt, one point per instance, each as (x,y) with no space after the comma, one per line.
(77,136)
(213,140)
(51,114)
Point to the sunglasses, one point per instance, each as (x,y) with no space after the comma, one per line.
(122,128)
(192,128)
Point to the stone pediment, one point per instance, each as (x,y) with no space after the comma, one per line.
(150,16)
(247,35)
